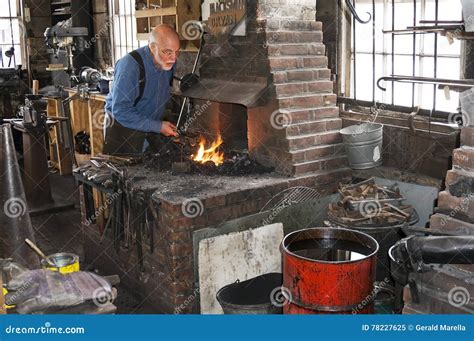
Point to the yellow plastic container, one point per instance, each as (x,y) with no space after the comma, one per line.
(65,262)
(5,292)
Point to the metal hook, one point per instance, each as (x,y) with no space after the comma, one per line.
(354,13)
(382,79)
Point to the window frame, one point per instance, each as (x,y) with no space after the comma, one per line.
(19,15)
(347,86)
(131,41)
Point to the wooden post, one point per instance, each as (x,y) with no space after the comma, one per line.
(35,87)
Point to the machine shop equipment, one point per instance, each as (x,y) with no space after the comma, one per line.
(34,125)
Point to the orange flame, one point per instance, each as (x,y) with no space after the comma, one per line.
(210,154)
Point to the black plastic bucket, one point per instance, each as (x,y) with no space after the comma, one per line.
(259,295)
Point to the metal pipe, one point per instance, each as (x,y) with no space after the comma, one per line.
(414,56)
(393,50)
(373,50)
(467,83)
(196,63)
(390,107)
(354,49)
(435,72)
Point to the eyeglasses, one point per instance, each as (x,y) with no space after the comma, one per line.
(169,53)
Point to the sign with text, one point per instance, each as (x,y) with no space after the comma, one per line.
(225,15)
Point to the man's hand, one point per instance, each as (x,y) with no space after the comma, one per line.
(168,129)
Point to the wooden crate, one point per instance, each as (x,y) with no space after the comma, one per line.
(172,12)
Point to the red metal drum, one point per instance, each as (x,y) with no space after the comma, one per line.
(329,270)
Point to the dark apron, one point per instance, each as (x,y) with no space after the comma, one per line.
(120,140)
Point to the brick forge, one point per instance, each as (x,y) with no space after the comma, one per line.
(294,124)
(449,289)
(294,128)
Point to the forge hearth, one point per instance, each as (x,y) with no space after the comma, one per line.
(184,204)
(270,99)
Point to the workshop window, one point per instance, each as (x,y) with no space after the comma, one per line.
(404,53)
(10,34)
(124,35)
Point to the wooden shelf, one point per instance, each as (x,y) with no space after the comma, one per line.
(142,36)
(66,2)
(174,13)
(63,13)
(159,12)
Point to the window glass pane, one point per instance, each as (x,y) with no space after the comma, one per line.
(448,68)
(125,27)
(5,10)
(448,53)
(448,10)
(364,77)
(403,91)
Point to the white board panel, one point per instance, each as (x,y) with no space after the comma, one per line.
(238,255)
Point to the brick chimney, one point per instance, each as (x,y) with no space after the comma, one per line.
(279,73)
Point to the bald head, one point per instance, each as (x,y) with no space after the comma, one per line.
(164,45)
(161,33)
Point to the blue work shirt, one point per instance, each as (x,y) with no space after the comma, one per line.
(147,115)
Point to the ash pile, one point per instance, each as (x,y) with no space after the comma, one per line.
(367,204)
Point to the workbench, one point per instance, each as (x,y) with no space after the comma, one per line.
(87,114)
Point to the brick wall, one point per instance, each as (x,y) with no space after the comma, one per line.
(447,289)
(420,152)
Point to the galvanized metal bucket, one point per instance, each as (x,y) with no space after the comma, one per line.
(363,144)
(259,295)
